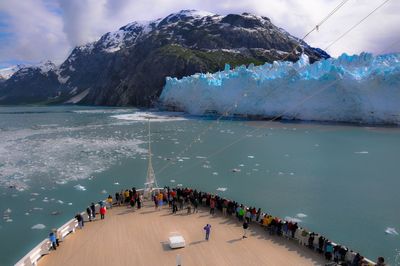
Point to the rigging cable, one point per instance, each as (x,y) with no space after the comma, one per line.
(355,25)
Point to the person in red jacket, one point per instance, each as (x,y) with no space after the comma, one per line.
(102,211)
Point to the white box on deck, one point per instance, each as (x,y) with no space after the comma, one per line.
(176,241)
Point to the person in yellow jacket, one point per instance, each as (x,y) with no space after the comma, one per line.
(110,201)
(160,200)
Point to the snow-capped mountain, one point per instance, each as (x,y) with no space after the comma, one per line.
(129,66)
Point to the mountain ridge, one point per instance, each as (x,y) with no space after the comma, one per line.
(128,67)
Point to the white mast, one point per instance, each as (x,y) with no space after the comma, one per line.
(151,181)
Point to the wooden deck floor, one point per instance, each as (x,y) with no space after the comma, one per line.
(139,237)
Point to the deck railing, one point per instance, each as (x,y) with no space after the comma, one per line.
(44,247)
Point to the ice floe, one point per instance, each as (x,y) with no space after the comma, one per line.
(222,189)
(153,116)
(361,152)
(293,219)
(301,215)
(391,231)
(80,187)
(38,227)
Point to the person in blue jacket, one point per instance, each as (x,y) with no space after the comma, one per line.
(53,240)
(207,228)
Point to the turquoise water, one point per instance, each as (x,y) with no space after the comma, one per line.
(341,181)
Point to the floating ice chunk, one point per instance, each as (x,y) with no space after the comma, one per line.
(8,210)
(35,194)
(235,170)
(70,203)
(37,208)
(391,231)
(301,215)
(222,189)
(293,219)
(172,181)
(61,182)
(9,220)
(361,152)
(215,173)
(154,116)
(104,191)
(250,156)
(179,185)
(201,157)
(27,213)
(291,173)
(116,183)
(206,166)
(60,201)
(280,173)
(180,160)
(241,165)
(45,200)
(38,227)
(80,187)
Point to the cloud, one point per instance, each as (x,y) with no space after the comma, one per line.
(44,29)
(34,32)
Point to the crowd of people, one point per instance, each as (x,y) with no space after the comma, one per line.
(189,200)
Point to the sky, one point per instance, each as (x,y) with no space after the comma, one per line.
(37,30)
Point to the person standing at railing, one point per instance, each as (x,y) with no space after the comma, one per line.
(89,213)
(139,201)
(57,235)
(79,218)
(380,262)
(93,208)
(110,201)
(102,212)
(53,240)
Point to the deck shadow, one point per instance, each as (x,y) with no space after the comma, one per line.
(235,240)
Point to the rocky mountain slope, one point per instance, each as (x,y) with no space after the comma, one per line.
(129,66)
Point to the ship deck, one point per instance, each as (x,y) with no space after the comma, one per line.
(139,237)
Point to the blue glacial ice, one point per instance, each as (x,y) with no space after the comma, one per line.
(360,88)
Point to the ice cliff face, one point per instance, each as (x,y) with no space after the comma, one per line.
(360,88)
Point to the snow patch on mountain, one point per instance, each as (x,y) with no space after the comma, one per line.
(360,88)
(7,72)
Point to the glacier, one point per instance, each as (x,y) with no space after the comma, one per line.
(351,88)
